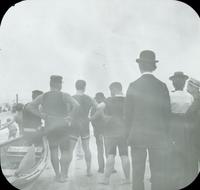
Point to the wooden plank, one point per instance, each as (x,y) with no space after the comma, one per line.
(23,149)
(8,172)
(11,141)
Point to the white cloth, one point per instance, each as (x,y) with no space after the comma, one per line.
(147,73)
(180,101)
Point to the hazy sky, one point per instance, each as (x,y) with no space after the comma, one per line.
(95,40)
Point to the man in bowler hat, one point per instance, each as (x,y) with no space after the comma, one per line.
(147,111)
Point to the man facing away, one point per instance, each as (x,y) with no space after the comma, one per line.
(81,124)
(147,111)
(115,133)
(31,123)
(98,126)
(183,164)
(193,87)
(57,110)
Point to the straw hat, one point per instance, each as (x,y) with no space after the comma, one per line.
(178,74)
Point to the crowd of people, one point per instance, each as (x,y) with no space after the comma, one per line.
(147,118)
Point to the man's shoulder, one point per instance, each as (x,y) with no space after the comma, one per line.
(108,99)
(159,81)
(155,81)
(87,96)
(66,94)
(189,96)
(134,84)
(145,83)
(82,95)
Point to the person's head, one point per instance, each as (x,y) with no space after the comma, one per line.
(193,87)
(99,97)
(80,85)
(56,82)
(115,88)
(36,93)
(8,120)
(178,80)
(147,61)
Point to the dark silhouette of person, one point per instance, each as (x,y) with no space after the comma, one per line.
(147,111)
(193,113)
(99,127)
(30,120)
(57,109)
(115,133)
(81,124)
(31,123)
(180,129)
(18,116)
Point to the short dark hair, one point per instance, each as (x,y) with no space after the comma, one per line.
(99,95)
(80,85)
(8,119)
(147,66)
(36,93)
(55,80)
(116,85)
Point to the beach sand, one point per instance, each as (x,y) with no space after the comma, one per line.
(78,179)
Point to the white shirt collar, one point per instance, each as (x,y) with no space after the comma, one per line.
(147,73)
(79,92)
(119,95)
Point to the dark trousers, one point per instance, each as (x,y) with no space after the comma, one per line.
(184,166)
(100,151)
(158,161)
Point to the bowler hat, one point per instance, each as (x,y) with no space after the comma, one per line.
(147,56)
(56,78)
(179,74)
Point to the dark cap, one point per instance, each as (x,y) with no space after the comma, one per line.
(99,95)
(36,93)
(178,74)
(56,79)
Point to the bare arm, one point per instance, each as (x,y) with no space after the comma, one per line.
(99,111)
(5,125)
(94,103)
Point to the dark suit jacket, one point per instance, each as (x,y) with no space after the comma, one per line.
(147,112)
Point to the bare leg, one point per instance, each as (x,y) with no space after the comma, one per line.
(55,160)
(66,158)
(79,152)
(126,168)
(86,149)
(100,153)
(106,145)
(110,162)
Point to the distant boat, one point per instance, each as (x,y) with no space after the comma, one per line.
(13,156)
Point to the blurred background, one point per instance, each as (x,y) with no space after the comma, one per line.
(93,40)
